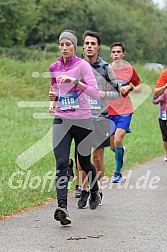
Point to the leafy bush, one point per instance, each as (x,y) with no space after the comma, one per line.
(25,54)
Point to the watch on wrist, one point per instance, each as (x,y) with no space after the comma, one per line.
(131,89)
(75,82)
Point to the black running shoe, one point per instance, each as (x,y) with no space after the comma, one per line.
(70,173)
(94,200)
(83,200)
(77,192)
(62,215)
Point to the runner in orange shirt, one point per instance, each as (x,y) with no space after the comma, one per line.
(160,92)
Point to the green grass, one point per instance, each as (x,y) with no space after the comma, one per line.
(20,131)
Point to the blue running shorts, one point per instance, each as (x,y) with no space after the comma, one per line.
(121,121)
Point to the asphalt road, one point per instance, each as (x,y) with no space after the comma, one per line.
(133,218)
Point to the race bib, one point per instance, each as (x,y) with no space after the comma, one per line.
(68,101)
(121,83)
(163,115)
(94,104)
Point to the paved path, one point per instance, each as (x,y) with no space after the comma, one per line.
(132,219)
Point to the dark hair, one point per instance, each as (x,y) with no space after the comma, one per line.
(92,34)
(118,44)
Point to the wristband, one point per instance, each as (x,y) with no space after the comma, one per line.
(131,89)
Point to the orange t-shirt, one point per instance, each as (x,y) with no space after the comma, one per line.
(124,76)
(162,80)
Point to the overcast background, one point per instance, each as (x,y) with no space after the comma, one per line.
(161,3)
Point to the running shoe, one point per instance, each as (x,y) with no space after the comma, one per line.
(70,173)
(77,192)
(165,158)
(62,215)
(117,178)
(94,200)
(83,201)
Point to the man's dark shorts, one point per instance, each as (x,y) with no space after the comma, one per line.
(102,132)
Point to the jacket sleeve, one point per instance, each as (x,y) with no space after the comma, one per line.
(155,100)
(90,83)
(114,92)
(53,83)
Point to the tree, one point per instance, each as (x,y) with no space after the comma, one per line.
(17,17)
(57,15)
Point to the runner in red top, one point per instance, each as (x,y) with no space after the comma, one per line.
(120,110)
(124,75)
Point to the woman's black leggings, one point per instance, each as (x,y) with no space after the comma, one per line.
(163,127)
(64,131)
